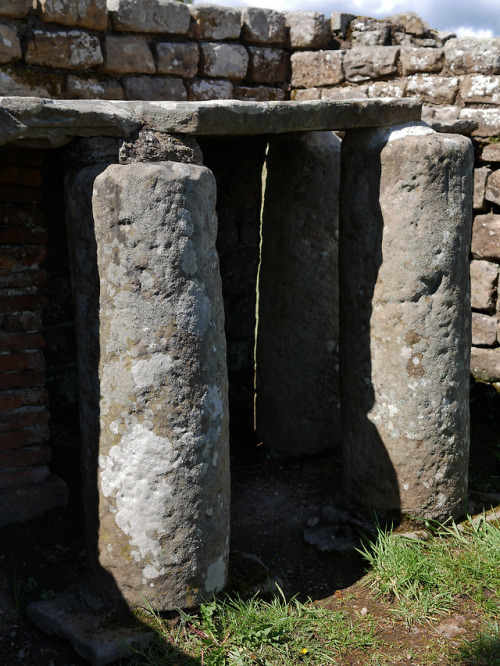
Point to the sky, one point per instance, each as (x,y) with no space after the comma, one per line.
(479,17)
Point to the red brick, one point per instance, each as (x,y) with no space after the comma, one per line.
(21,321)
(20,176)
(26,379)
(33,277)
(15,399)
(22,476)
(22,303)
(21,341)
(21,217)
(20,194)
(25,457)
(26,255)
(25,157)
(24,417)
(27,360)
(12,235)
(17,438)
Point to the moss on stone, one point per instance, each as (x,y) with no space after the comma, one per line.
(36,77)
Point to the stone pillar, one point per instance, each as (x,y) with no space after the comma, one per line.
(297,398)
(153,382)
(406,202)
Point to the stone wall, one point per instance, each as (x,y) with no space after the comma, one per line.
(172,51)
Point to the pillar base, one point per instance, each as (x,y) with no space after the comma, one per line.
(68,617)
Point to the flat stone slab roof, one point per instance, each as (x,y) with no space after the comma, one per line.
(51,123)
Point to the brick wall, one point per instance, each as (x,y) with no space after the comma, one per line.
(23,414)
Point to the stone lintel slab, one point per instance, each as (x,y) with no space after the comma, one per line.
(230,117)
(57,121)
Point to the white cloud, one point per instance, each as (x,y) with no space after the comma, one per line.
(467,31)
(482,17)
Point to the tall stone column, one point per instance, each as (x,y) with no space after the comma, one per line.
(405,228)
(153,382)
(297,399)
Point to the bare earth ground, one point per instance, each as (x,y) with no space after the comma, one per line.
(272,503)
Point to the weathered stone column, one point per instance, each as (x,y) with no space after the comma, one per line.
(297,398)
(153,382)
(405,318)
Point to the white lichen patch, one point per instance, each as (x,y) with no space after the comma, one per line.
(151,372)
(212,403)
(136,475)
(411,129)
(149,572)
(441,500)
(216,576)
(392,410)
(189,263)
(193,309)
(452,143)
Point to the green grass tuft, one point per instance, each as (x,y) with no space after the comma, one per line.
(484,650)
(254,631)
(427,578)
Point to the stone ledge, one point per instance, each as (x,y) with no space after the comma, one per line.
(55,122)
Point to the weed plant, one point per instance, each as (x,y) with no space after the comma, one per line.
(428,578)
(255,631)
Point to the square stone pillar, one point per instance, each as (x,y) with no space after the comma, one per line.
(297,372)
(405,226)
(153,382)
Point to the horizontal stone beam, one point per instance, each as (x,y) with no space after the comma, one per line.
(55,122)
(230,117)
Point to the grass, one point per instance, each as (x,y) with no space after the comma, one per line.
(423,580)
(255,631)
(484,650)
(428,578)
